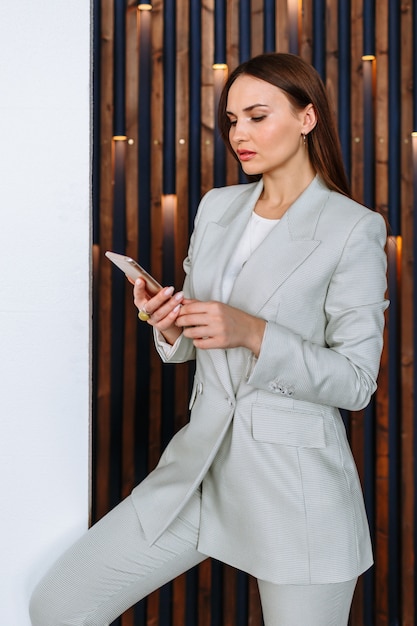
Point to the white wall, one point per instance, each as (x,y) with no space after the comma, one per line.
(44,289)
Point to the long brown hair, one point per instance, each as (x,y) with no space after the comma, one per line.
(302,85)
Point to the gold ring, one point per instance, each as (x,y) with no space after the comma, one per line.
(143,315)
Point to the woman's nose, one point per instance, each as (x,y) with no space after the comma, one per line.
(239,131)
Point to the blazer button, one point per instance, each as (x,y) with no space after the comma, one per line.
(200,388)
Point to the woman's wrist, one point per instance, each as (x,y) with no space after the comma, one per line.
(171,334)
(255,335)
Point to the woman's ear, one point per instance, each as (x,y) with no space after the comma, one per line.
(309,119)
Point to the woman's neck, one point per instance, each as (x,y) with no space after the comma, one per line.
(280,192)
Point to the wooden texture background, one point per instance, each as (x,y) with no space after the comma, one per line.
(154,85)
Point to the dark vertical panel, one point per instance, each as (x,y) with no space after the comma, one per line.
(369,27)
(119,240)
(168,187)
(394,116)
(394,351)
(170,58)
(95,184)
(195,110)
(191,600)
(142,400)
(319,37)
(368,133)
(96,125)
(216,593)
(414,92)
(119,119)
(220,31)
(369,496)
(242,603)
(219,161)
(394,410)
(369,200)
(144,237)
(344,83)
(269,25)
(245,38)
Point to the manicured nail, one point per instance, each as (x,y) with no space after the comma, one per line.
(169,291)
(179,295)
(177,308)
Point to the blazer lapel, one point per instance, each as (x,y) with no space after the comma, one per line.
(218,242)
(284,249)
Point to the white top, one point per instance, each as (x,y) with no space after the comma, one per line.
(255,232)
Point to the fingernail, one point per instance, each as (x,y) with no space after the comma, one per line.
(177,308)
(169,291)
(179,295)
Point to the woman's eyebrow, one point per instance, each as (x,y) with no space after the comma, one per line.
(249,108)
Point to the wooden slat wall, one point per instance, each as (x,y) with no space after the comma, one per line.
(136,401)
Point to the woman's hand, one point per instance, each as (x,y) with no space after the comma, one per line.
(218,325)
(163,309)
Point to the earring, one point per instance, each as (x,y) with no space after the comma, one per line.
(304,138)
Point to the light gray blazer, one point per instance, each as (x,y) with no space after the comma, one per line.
(281,498)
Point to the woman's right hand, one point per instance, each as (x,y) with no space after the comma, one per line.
(163,309)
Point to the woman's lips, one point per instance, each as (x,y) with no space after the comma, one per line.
(246,155)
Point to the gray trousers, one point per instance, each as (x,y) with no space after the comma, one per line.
(112,567)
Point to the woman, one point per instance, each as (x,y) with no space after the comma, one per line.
(283,310)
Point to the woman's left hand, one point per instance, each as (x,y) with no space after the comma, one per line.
(217,325)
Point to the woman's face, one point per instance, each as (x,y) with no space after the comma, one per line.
(266,130)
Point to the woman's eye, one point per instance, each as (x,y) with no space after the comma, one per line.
(232,122)
(258,119)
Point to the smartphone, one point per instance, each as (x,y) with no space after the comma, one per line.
(133,270)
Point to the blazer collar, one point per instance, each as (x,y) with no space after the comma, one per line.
(219,239)
(286,247)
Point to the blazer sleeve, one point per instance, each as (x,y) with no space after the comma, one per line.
(183,349)
(342,372)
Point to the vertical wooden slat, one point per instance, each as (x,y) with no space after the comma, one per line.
(207,111)
(307,33)
(381,204)
(207,126)
(356,100)
(181,240)
(394,212)
(331,54)
(408,268)
(102,413)
(131,321)
(257,9)
(281,27)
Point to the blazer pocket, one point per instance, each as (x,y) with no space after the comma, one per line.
(288,427)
